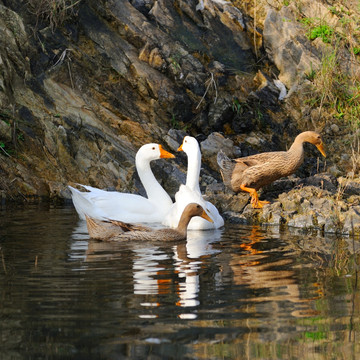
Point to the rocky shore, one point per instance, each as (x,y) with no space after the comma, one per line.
(79,96)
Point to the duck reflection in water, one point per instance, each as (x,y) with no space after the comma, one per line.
(275,281)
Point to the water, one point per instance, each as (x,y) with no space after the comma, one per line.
(239,293)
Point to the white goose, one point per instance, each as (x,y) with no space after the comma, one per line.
(125,207)
(190,192)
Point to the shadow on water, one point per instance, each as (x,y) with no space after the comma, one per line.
(238,293)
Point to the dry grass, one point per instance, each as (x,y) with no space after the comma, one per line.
(55,12)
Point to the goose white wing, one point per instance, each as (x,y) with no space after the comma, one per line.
(182,198)
(101,204)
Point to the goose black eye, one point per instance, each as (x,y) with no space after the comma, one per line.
(153,148)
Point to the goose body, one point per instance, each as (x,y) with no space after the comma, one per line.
(190,192)
(251,173)
(100,204)
(111,230)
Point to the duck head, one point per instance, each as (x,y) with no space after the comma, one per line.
(194,209)
(315,139)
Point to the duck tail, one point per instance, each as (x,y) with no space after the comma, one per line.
(100,229)
(226,167)
(94,228)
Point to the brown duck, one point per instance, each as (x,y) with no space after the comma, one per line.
(112,230)
(253,172)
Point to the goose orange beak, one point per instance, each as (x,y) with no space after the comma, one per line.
(164,154)
(321,149)
(180,148)
(205,216)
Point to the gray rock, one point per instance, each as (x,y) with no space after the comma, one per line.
(212,145)
(352,221)
(305,221)
(294,56)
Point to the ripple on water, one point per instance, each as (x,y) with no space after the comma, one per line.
(241,292)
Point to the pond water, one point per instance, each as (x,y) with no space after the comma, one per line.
(238,293)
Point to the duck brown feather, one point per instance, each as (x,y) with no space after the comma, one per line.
(111,230)
(253,172)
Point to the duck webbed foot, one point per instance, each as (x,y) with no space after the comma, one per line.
(255,202)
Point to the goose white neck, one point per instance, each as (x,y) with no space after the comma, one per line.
(193,170)
(154,190)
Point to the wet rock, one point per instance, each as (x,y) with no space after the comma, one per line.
(235,217)
(272,214)
(303,221)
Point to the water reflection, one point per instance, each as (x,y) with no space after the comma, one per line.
(173,269)
(240,293)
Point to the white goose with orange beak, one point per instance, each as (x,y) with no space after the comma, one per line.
(133,208)
(190,192)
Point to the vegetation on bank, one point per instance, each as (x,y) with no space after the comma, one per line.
(334,97)
(336,88)
(54,12)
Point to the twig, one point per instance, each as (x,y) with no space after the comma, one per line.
(211,82)
(61,58)
(6,153)
(71,80)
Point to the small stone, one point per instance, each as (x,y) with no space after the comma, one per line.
(334,128)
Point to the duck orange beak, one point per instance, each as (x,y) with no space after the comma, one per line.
(321,149)
(164,154)
(205,216)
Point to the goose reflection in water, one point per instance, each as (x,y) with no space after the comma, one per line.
(159,269)
(152,277)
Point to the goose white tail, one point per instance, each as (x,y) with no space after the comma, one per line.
(85,206)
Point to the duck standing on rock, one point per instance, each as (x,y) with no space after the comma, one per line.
(251,173)
(112,230)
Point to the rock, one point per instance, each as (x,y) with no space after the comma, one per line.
(212,145)
(235,218)
(305,221)
(295,56)
(334,128)
(5,131)
(351,187)
(14,65)
(266,91)
(272,214)
(335,171)
(324,181)
(85,96)
(282,89)
(352,221)
(174,138)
